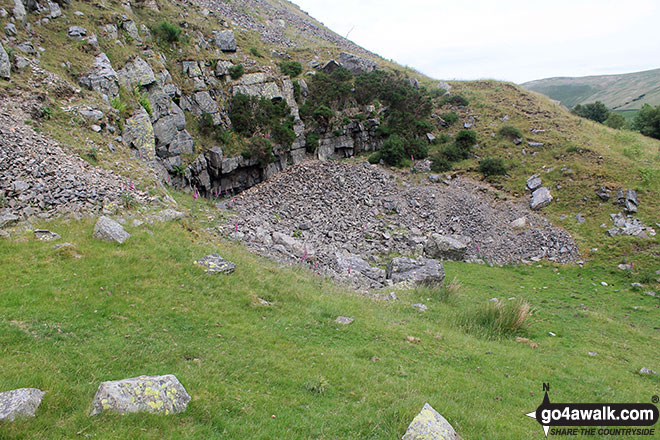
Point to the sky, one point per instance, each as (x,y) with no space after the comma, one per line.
(511,40)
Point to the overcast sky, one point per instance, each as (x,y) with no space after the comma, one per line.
(513,40)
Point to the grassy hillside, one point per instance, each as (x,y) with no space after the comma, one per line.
(619,92)
(286,370)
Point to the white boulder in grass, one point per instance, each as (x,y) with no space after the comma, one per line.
(152,394)
(430,425)
(19,403)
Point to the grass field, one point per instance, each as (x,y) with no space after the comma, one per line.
(287,370)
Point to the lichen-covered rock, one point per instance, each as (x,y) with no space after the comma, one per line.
(352,266)
(136,73)
(8,219)
(153,394)
(534,182)
(225,40)
(102,78)
(22,402)
(445,248)
(414,272)
(357,65)
(214,263)
(430,425)
(540,198)
(139,134)
(19,11)
(107,229)
(77,32)
(5,64)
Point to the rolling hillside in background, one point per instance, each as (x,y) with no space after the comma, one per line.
(622,92)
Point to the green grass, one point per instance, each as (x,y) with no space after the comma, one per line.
(67,323)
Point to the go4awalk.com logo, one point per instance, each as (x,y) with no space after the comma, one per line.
(603,419)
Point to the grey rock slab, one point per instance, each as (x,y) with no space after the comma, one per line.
(357,65)
(46,235)
(152,394)
(107,229)
(430,425)
(19,403)
(102,78)
(445,247)
(77,32)
(411,271)
(168,214)
(420,307)
(647,371)
(136,73)
(8,220)
(214,263)
(344,320)
(5,64)
(534,182)
(540,198)
(225,40)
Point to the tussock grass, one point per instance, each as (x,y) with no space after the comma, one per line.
(499,319)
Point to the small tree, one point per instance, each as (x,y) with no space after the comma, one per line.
(647,121)
(393,151)
(492,167)
(615,120)
(236,71)
(596,111)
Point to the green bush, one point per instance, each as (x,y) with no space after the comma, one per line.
(440,163)
(442,139)
(323,114)
(374,158)
(291,68)
(393,151)
(167,32)
(297,93)
(254,51)
(615,120)
(235,72)
(283,133)
(457,100)
(450,118)
(466,139)
(596,111)
(647,121)
(312,142)
(492,166)
(257,116)
(510,132)
(455,153)
(261,150)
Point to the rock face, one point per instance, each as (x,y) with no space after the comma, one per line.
(107,229)
(102,78)
(136,73)
(19,403)
(430,425)
(444,247)
(540,198)
(5,64)
(357,65)
(353,266)
(139,134)
(214,263)
(153,394)
(415,272)
(225,40)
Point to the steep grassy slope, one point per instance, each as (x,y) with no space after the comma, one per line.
(287,370)
(627,91)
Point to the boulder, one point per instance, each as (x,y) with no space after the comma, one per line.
(411,271)
(214,263)
(19,403)
(519,223)
(152,394)
(19,11)
(445,247)
(10,30)
(354,266)
(430,425)
(139,134)
(54,10)
(225,40)
(540,198)
(77,32)
(8,219)
(5,64)
(355,64)
(102,78)
(46,235)
(534,182)
(628,199)
(603,194)
(107,229)
(136,73)
(330,66)
(168,214)
(344,320)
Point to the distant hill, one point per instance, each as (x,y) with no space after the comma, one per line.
(627,91)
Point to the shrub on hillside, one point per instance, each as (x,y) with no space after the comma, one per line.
(596,111)
(440,163)
(167,32)
(257,116)
(393,151)
(312,142)
(450,118)
(492,167)
(261,150)
(235,72)
(466,139)
(647,121)
(291,68)
(455,153)
(456,100)
(615,120)
(510,132)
